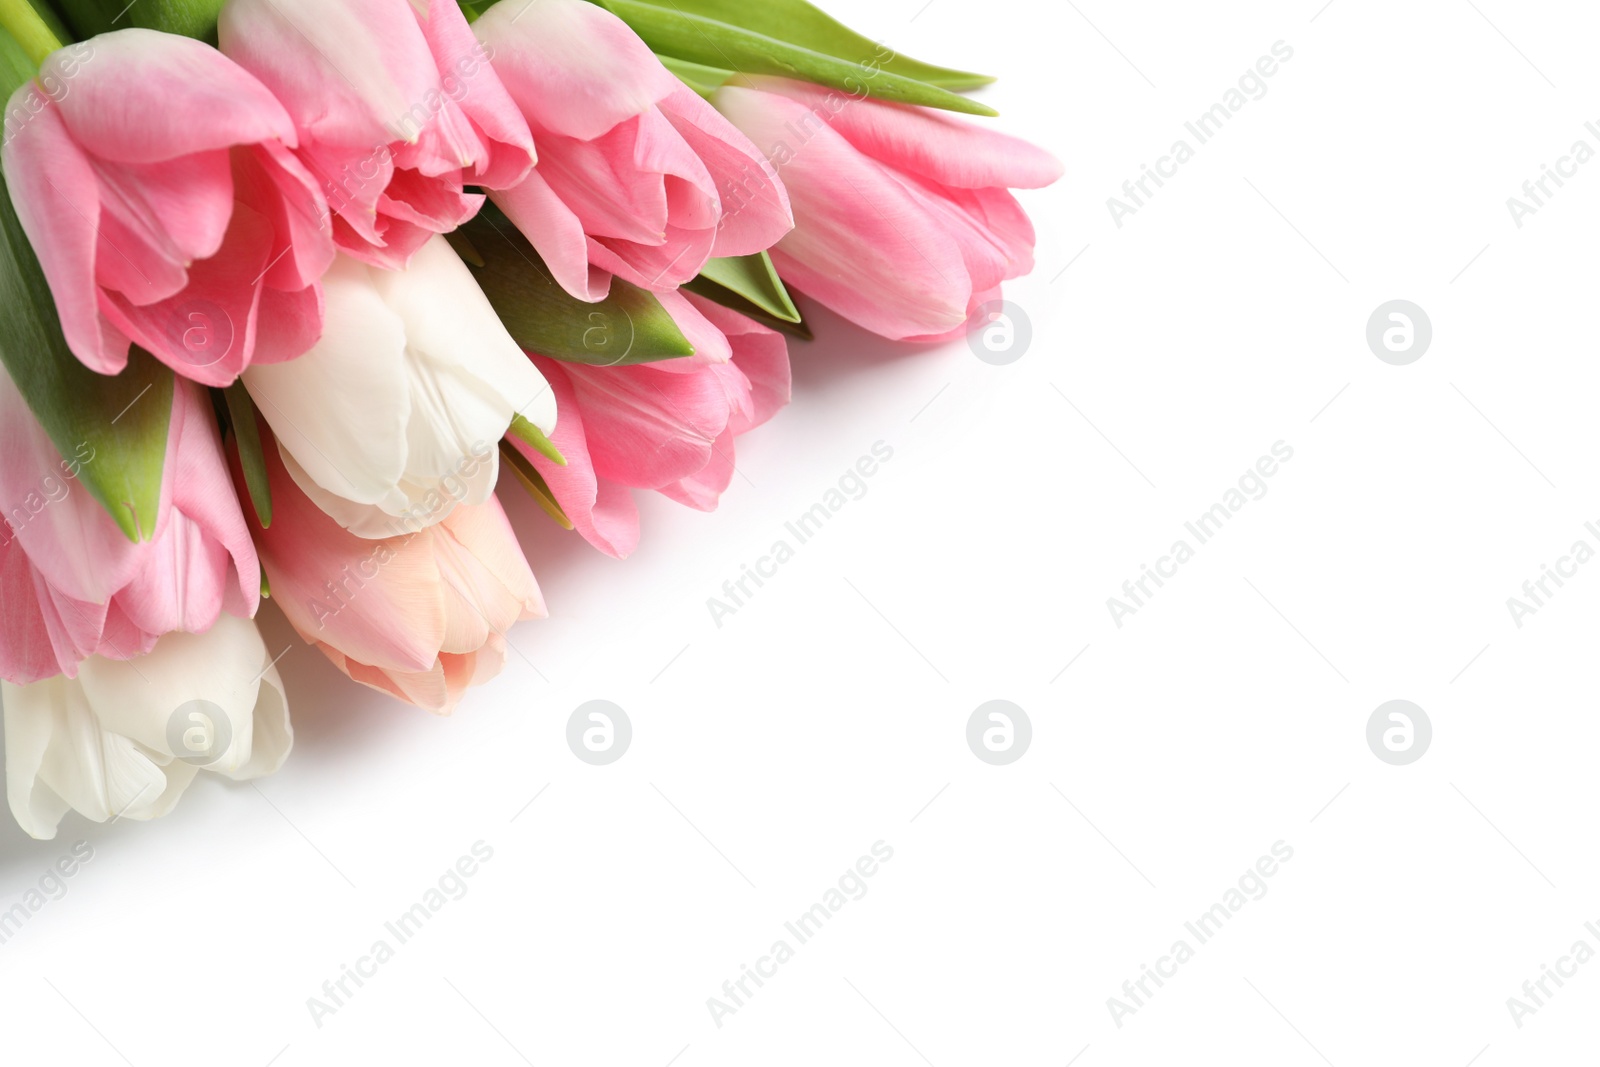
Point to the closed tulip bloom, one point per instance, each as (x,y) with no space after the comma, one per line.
(903,221)
(166,207)
(396,107)
(394,417)
(638,177)
(72,583)
(421,616)
(667,426)
(125,738)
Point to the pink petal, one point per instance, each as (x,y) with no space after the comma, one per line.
(661,268)
(207,332)
(57,200)
(760,354)
(863,244)
(375,601)
(271,181)
(346,72)
(601,183)
(754,204)
(288,324)
(144,97)
(703,489)
(573,68)
(934,144)
(647,428)
(603,512)
(201,559)
(178,208)
(26,651)
(470,83)
(555,232)
(484,567)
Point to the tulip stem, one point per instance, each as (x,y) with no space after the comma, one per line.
(22,22)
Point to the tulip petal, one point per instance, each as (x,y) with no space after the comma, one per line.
(470,82)
(603,513)
(375,599)
(556,233)
(27,653)
(347,73)
(57,200)
(121,100)
(754,204)
(761,355)
(924,141)
(102,744)
(356,451)
(647,428)
(207,331)
(573,68)
(863,244)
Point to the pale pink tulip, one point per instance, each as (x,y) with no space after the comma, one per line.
(637,176)
(668,426)
(397,109)
(903,222)
(166,208)
(72,583)
(422,616)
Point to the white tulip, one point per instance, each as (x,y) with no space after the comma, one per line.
(125,738)
(395,416)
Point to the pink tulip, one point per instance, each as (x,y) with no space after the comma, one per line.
(422,616)
(637,177)
(166,209)
(396,111)
(903,223)
(668,426)
(72,583)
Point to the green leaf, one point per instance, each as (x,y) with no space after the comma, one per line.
(755,279)
(32,30)
(629,326)
(801,23)
(530,435)
(247,436)
(16,69)
(534,483)
(697,76)
(121,422)
(755,37)
(192,18)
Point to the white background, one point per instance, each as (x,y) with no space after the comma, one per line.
(830,712)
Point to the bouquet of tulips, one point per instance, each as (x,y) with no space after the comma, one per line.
(285,283)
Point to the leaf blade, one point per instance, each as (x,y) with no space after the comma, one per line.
(247,438)
(802,23)
(756,279)
(123,419)
(709,42)
(628,327)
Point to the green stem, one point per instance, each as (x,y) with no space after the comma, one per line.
(22,22)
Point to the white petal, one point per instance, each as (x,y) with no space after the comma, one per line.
(341,409)
(112,742)
(449,322)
